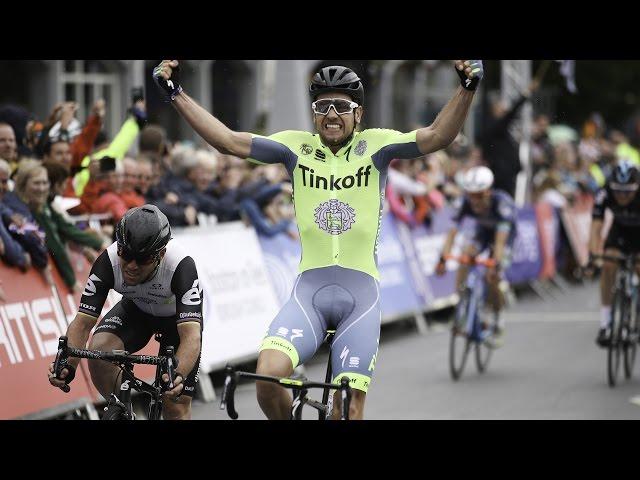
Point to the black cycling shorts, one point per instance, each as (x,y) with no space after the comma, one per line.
(135,328)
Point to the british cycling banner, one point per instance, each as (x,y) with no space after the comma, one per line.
(32,319)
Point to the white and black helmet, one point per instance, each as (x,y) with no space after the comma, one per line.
(477,179)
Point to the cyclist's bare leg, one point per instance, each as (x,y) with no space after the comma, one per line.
(176,410)
(273,399)
(496,297)
(356,407)
(607,278)
(104,374)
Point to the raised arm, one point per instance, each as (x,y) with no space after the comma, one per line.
(451,118)
(212,130)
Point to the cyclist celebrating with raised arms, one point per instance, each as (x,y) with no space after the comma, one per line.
(339,176)
(161,293)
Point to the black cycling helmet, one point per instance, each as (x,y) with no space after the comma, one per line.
(143,231)
(625,177)
(337,79)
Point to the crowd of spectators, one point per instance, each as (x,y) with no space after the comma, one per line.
(64,184)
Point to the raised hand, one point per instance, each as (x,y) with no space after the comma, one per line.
(470,73)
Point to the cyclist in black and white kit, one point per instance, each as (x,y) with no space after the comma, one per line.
(160,293)
(620,196)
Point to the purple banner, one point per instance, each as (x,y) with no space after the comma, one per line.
(423,246)
(282,256)
(397,290)
(526,260)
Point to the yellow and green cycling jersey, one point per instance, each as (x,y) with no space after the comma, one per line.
(338,198)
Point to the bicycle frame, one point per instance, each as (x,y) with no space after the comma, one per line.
(476,285)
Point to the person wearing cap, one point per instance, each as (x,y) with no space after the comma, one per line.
(494,212)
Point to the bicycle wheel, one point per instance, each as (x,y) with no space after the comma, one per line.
(459,344)
(483,355)
(630,338)
(615,343)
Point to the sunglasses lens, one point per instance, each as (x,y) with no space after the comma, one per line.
(342,106)
(322,106)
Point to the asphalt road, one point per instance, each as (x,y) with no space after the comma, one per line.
(549,368)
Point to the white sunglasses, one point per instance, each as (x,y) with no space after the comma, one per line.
(340,105)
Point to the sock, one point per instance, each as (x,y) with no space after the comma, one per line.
(605,316)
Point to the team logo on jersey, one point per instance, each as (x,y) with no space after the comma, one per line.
(360,148)
(320,155)
(505,210)
(306,149)
(335,217)
(192,296)
(90,287)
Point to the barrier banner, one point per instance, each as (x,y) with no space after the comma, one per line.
(423,247)
(31,321)
(526,257)
(282,257)
(576,221)
(239,301)
(549,233)
(398,294)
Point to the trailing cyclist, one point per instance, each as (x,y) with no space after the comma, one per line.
(495,230)
(620,196)
(160,293)
(339,175)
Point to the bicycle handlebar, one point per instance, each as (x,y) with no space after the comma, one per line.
(231,380)
(468,260)
(120,356)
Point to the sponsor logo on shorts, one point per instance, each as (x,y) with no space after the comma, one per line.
(282,331)
(354,362)
(190,315)
(343,355)
(117,320)
(297,332)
